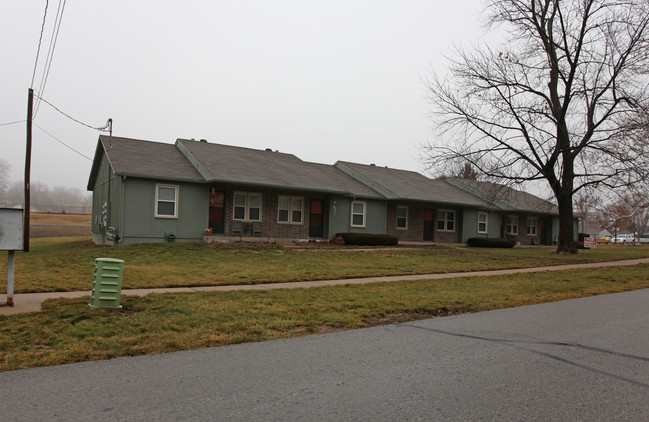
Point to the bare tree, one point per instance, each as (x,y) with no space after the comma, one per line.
(616,216)
(564,100)
(628,209)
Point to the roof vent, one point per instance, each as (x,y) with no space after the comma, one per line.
(372,165)
(269,149)
(204,140)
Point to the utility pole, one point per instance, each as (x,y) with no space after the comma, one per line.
(28,165)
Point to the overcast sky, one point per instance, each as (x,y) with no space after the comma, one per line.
(324,80)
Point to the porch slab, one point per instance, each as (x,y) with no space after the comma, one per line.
(251,239)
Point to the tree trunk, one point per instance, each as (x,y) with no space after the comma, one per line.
(566,241)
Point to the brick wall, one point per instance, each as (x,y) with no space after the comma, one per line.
(270,226)
(445,237)
(522,237)
(415,230)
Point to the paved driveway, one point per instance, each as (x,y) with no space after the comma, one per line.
(584,359)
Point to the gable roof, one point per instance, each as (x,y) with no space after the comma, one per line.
(245,166)
(409,185)
(202,162)
(147,159)
(504,197)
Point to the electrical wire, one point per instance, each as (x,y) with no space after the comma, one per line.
(104,128)
(50,52)
(40,39)
(63,143)
(12,123)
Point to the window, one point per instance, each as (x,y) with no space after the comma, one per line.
(512,224)
(402,217)
(532,222)
(247,206)
(483,219)
(166,200)
(358,213)
(289,209)
(445,220)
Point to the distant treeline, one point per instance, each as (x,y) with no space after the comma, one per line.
(45,199)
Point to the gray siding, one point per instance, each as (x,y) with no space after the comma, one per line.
(141,225)
(470,224)
(340,216)
(107,191)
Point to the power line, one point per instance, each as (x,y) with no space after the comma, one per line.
(104,128)
(50,52)
(40,39)
(12,123)
(63,143)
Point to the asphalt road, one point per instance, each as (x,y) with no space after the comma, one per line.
(583,359)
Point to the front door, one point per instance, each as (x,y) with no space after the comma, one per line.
(316,218)
(429,225)
(217,212)
(543,232)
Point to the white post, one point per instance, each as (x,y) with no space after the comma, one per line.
(10,279)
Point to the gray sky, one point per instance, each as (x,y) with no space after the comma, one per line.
(324,80)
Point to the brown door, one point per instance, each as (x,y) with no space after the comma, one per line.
(543,232)
(316,218)
(429,225)
(217,212)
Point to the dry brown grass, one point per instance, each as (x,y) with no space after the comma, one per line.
(61,219)
(67,330)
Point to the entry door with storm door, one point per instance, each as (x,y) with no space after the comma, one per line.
(217,212)
(429,225)
(316,218)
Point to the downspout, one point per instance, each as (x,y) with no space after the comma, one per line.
(109,208)
(121,211)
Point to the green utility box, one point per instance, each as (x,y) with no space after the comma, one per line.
(107,284)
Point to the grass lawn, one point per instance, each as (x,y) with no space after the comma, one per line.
(67,264)
(66,330)
(60,219)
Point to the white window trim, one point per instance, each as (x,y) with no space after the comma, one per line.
(536,226)
(176,189)
(291,209)
(446,220)
(364,203)
(486,222)
(397,217)
(508,223)
(247,206)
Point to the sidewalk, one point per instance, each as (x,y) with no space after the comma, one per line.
(31,302)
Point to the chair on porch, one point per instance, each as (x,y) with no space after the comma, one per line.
(257,228)
(236,228)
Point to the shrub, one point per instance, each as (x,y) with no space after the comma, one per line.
(368,239)
(491,242)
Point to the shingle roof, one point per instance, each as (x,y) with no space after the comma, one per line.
(138,158)
(505,197)
(202,162)
(225,163)
(409,185)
